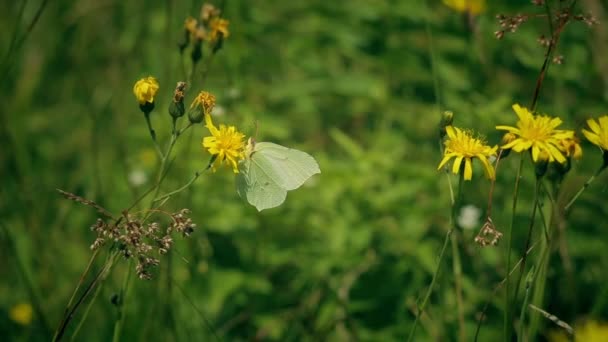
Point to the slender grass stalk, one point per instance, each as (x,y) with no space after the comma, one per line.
(507,314)
(439,262)
(457,267)
(542,264)
(524,307)
(456,263)
(85,314)
(522,266)
(153,136)
(122,300)
(101,275)
(496,288)
(584,187)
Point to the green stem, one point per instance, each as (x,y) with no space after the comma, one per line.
(507,313)
(122,299)
(163,163)
(186,186)
(153,136)
(584,187)
(101,275)
(496,288)
(439,262)
(86,312)
(457,266)
(522,314)
(522,267)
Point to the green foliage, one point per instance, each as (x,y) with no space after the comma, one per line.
(359,85)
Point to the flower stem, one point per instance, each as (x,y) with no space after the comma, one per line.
(153,136)
(522,314)
(522,266)
(122,296)
(439,262)
(457,266)
(584,187)
(101,275)
(507,313)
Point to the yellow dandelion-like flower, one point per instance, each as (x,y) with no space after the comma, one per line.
(226,143)
(599,132)
(218,26)
(206,100)
(21,313)
(473,7)
(461,145)
(145,90)
(191,24)
(537,132)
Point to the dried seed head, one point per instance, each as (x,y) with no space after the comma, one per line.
(488,234)
(135,238)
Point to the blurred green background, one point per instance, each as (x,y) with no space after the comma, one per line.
(349,255)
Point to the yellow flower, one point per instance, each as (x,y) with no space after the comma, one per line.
(206,100)
(145,90)
(21,313)
(191,25)
(473,7)
(218,26)
(599,132)
(589,331)
(537,133)
(226,143)
(461,145)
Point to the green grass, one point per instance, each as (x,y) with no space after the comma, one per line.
(350,254)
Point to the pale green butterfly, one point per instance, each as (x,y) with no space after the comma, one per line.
(269,171)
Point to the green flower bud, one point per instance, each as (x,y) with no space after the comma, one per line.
(195,115)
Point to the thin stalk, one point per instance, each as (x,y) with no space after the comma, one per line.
(122,299)
(522,266)
(457,266)
(163,164)
(101,275)
(524,308)
(153,136)
(584,187)
(507,314)
(496,288)
(81,280)
(456,263)
(438,268)
(85,314)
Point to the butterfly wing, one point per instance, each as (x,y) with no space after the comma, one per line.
(255,185)
(288,167)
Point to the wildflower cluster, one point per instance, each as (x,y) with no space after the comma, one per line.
(209,27)
(538,134)
(144,241)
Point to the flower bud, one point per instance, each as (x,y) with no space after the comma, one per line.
(145,90)
(446,120)
(195,115)
(176,108)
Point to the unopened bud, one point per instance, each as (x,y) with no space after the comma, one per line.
(447,118)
